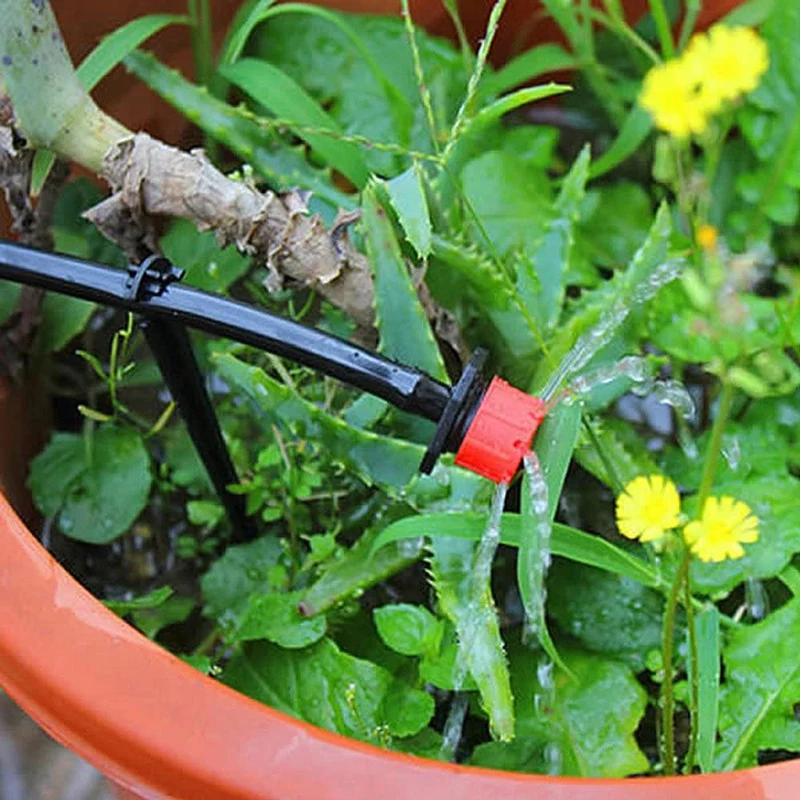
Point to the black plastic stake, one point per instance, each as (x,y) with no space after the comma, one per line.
(172,348)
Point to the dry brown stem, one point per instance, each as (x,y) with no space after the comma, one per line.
(151,179)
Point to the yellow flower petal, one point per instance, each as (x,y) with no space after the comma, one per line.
(733,61)
(725,524)
(671,93)
(648,507)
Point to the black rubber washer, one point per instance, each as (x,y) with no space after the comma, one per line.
(467,392)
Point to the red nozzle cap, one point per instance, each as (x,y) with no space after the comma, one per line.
(501,432)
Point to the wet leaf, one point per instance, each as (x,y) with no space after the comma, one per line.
(576,545)
(98,485)
(151,621)
(761,690)
(319,684)
(152,599)
(275,617)
(481,649)
(591,722)
(607,613)
(358,569)
(408,629)
(242,570)
(406,711)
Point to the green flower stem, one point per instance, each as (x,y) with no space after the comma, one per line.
(694,686)
(51,107)
(667,687)
(715,444)
(661,20)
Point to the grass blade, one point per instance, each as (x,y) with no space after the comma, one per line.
(708,672)
(285,98)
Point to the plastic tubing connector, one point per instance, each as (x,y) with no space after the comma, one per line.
(501,432)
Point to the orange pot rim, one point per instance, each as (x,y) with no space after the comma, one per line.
(159,728)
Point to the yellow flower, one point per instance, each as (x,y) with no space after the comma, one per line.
(732,62)
(707,236)
(671,92)
(648,508)
(719,533)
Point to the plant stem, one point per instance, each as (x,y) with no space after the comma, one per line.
(667,688)
(715,443)
(688,601)
(200,16)
(661,20)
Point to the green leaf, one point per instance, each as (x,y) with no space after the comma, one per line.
(526,67)
(635,129)
(208,267)
(272,88)
(408,629)
(555,442)
(98,485)
(406,711)
(275,617)
(242,570)
(481,649)
(575,545)
(151,621)
(600,313)
(607,613)
(357,569)
(708,669)
(391,464)
(63,318)
(591,721)
(511,202)
(407,193)
(761,690)
(248,17)
(319,684)
(152,599)
(237,129)
(494,111)
(540,280)
(405,334)
(107,55)
(337,58)
(456,272)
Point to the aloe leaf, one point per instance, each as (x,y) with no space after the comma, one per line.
(540,280)
(273,88)
(477,628)
(237,129)
(407,193)
(358,569)
(405,333)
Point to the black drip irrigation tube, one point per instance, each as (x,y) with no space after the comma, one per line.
(153,291)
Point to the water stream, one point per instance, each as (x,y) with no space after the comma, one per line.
(537,555)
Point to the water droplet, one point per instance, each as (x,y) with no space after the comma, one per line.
(756,598)
(732,451)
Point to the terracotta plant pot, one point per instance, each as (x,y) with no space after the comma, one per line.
(160,729)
